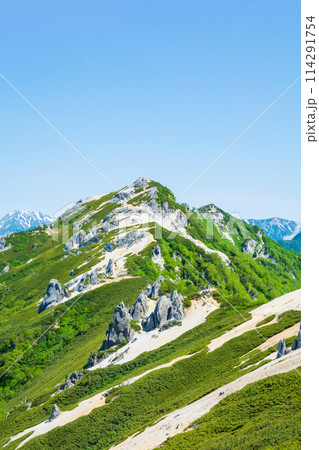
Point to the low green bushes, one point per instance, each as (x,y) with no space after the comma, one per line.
(266,320)
(145,401)
(136,326)
(264,414)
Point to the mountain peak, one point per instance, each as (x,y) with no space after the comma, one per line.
(22,220)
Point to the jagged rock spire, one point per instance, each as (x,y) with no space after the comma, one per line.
(53,296)
(55,412)
(282,350)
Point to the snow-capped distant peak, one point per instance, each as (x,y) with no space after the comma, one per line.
(277,228)
(23,220)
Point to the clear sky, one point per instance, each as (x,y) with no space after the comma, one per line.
(156,88)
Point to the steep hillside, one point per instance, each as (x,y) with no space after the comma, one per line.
(121,284)
(276,228)
(294,244)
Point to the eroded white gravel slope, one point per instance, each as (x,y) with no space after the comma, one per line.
(177,421)
(82,409)
(279,305)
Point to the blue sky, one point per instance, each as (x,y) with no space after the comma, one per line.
(153,88)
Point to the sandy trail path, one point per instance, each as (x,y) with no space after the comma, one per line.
(82,409)
(273,341)
(145,342)
(177,421)
(286,302)
(197,315)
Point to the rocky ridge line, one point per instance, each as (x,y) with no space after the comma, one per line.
(168,311)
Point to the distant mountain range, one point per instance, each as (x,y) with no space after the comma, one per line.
(22,221)
(278,229)
(293,244)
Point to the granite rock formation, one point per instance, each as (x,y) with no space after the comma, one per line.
(282,350)
(120,329)
(130,238)
(297,342)
(93,277)
(2,243)
(55,412)
(156,288)
(157,257)
(122,196)
(168,309)
(140,182)
(253,248)
(6,269)
(71,380)
(153,193)
(139,309)
(3,246)
(109,268)
(53,297)
(81,285)
(109,247)
(81,239)
(92,361)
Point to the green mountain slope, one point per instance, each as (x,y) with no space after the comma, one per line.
(198,248)
(273,403)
